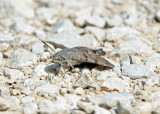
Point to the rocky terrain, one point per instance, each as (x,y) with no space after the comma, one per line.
(127,30)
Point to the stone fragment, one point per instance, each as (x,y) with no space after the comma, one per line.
(97,32)
(63,26)
(137,71)
(40,70)
(38,48)
(22,27)
(114,83)
(131,47)
(4,47)
(157,16)
(111,100)
(26,91)
(4,104)
(12,73)
(104,75)
(156,110)
(114,21)
(99,110)
(26,40)
(40,34)
(1,59)
(143,107)
(153,60)
(116,33)
(6,38)
(87,107)
(4,91)
(64,40)
(17,8)
(96,21)
(27,99)
(47,89)
(124,107)
(14,103)
(84,80)
(72,100)
(21,58)
(30,108)
(79,91)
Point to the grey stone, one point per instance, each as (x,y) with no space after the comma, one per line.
(26,91)
(105,75)
(65,40)
(21,58)
(96,21)
(97,32)
(114,21)
(63,26)
(4,91)
(116,33)
(14,102)
(99,110)
(30,108)
(45,13)
(6,38)
(38,48)
(90,41)
(87,107)
(17,8)
(84,80)
(12,73)
(1,59)
(4,46)
(4,104)
(27,99)
(124,107)
(40,70)
(157,16)
(22,27)
(111,100)
(132,47)
(114,83)
(26,40)
(137,71)
(153,60)
(47,89)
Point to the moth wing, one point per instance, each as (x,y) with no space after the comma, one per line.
(93,58)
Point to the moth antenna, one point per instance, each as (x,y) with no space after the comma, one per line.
(59,55)
(47,45)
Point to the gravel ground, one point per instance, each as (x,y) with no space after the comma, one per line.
(129,32)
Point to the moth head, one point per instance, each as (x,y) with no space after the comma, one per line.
(100,52)
(56,57)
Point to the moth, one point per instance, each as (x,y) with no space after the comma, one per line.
(77,55)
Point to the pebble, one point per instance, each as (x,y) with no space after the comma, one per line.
(156,110)
(40,70)
(4,47)
(63,26)
(1,59)
(26,91)
(4,91)
(99,110)
(153,60)
(131,47)
(114,21)
(63,91)
(124,107)
(65,40)
(45,56)
(96,21)
(38,48)
(104,75)
(157,16)
(26,40)
(6,38)
(114,83)
(47,89)
(90,41)
(97,32)
(79,91)
(30,108)
(21,58)
(14,103)
(111,100)
(87,107)
(137,71)
(12,73)
(84,80)
(4,104)
(116,33)
(40,34)
(27,99)
(22,27)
